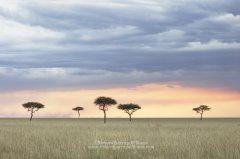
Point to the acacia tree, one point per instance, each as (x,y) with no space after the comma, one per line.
(33,107)
(103,103)
(78,109)
(201,109)
(129,109)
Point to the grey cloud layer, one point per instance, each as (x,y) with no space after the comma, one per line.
(72,44)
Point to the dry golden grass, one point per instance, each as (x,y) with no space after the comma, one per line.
(120,139)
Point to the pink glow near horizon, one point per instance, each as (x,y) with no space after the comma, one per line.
(156,101)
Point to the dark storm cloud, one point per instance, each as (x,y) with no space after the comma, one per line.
(70,44)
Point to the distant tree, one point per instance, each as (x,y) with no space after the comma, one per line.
(103,103)
(129,109)
(78,109)
(33,107)
(201,109)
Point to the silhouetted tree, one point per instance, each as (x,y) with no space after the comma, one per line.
(103,103)
(78,109)
(201,109)
(33,107)
(129,109)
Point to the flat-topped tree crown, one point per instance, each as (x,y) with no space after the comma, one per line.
(32,107)
(103,103)
(129,109)
(201,109)
(204,107)
(78,109)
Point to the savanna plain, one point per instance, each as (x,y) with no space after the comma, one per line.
(212,138)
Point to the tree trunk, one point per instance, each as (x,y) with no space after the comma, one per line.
(130,117)
(104,116)
(31,116)
(201,116)
(78,114)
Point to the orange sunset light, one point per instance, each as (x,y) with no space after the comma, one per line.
(156,100)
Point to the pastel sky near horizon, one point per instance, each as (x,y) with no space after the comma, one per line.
(166,56)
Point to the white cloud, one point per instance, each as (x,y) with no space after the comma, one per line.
(210,45)
(109,40)
(50,78)
(12,32)
(36,73)
(173,35)
(104,33)
(228,18)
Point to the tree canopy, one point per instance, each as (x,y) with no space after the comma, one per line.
(201,108)
(78,108)
(30,105)
(129,109)
(105,101)
(33,107)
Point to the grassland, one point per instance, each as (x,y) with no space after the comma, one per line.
(120,139)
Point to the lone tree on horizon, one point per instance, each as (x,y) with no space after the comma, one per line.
(103,103)
(201,109)
(78,109)
(129,109)
(33,107)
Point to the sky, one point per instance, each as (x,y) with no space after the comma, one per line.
(166,56)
